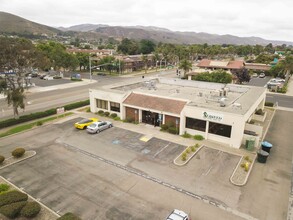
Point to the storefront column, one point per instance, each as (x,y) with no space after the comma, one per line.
(207,130)
(139,115)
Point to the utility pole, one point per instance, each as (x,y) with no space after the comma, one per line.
(90,68)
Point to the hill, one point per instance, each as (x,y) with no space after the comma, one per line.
(10,23)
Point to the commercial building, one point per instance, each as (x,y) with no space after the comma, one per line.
(218,112)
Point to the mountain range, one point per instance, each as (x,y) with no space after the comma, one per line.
(12,24)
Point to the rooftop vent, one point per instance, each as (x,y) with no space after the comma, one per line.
(223,102)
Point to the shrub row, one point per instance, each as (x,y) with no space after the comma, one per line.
(37,115)
(4,187)
(13,203)
(69,216)
(77,104)
(25,118)
(11,197)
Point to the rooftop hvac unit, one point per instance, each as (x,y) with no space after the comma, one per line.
(200,94)
(225,92)
(223,102)
(221,93)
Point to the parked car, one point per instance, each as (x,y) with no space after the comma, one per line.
(178,215)
(84,123)
(262,75)
(97,127)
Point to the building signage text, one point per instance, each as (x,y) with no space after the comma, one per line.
(212,116)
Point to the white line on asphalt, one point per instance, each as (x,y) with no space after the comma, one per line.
(161,150)
(205,174)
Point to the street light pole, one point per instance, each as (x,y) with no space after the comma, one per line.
(90,68)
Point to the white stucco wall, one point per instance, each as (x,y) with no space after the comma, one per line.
(107,96)
(236,121)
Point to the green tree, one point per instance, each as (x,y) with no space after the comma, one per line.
(146,46)
(83,60)
(185,65)
(218,76)
(145,61)
(287,64)
(127,46)
(17,56)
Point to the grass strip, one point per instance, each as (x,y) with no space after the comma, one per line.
(25,127)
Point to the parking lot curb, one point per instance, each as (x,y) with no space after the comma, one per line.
(36,200)
(21,159)
(185,162)
(238,166)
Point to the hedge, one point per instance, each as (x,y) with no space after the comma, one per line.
(77,104)
(37,115)
(69,216)
(18,152)
(12,210)
(11,197)
(25,118)
(30,210)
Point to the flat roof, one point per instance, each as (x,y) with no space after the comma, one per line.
(230,98)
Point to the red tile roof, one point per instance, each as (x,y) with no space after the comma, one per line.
(155,103)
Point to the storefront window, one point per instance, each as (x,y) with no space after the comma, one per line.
(220,129)
(103,104)
(195,124)
(115,106)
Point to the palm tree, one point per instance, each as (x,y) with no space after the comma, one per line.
(185,65)
(145,62)
(287,65)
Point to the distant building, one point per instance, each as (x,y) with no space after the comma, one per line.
(225,65)
(102,52)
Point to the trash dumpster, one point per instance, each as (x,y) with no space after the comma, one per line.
(250,144)
(262,156)
(266,146)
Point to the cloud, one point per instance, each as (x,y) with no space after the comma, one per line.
(237,17)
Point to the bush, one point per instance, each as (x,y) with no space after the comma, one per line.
(30,210)
(69,216)
(183,156)
(164,127)
(107,114)
(193,149)
(198,137)
(187,150)
(186,135)
(88,109)
(39,123)
(269,104)
(259,112)
(113,115)
(101,112)
(12,210)
(117,118)
(11,197)
(18,152)
(4,187)
(2,158)
(173,130)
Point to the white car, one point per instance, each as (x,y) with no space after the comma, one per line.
(262,75)
(99,126)
(178,215)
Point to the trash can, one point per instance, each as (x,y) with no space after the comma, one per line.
(266,146)
(250,144)
(262,156)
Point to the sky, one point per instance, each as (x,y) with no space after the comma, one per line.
(268,19)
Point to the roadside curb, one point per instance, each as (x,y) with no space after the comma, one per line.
(19,160)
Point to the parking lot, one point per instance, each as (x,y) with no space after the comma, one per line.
(67,175)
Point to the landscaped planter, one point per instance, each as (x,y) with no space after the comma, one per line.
(187,155)
(259,117)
